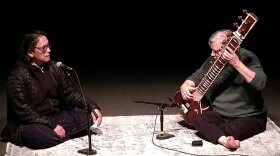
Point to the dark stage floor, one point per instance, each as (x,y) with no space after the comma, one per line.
(115,91)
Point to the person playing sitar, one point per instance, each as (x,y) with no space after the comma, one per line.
(231,80)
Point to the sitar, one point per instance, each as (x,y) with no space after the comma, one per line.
(191,108)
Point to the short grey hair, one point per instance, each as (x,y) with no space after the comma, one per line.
(223,36)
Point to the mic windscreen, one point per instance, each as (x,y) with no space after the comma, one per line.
(58,64)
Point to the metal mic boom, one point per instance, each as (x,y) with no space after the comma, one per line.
(155,103)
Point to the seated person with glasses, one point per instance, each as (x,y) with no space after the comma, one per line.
(44,106)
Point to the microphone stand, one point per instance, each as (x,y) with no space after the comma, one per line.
(161,135)
(89,150)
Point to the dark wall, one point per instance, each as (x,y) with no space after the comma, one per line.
(132,33)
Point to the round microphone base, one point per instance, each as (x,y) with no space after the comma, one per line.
(87,151)
(164,136)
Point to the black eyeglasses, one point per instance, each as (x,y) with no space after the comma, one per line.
(44,48)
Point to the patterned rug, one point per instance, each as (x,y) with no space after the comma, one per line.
(137,135)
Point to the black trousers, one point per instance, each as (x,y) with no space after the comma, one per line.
(211,126)
(37,136)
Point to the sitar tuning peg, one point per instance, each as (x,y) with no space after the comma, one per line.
(235,25)
(240,18)
(245,11)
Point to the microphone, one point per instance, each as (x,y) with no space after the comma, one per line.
(60,64)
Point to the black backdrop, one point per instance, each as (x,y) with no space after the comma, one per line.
(144,33)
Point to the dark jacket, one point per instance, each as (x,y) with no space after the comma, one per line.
(21,91)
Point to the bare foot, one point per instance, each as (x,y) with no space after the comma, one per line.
(229,142)
(232,143)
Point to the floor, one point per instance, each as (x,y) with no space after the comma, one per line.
(116,90)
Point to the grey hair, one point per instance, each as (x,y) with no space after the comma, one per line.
(223,36)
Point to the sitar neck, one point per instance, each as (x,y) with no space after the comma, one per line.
(217,66)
